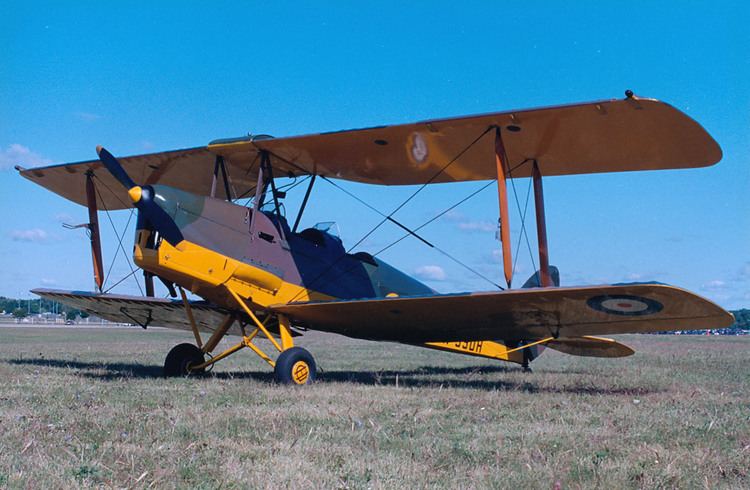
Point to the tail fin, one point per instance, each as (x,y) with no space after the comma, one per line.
(535,280)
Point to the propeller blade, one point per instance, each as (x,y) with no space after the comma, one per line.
(143,199)
(115,168)
(159,219)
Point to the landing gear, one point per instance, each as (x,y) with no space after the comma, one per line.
(528,356)
(295,365)
(181,358)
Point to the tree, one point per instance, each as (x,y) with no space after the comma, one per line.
(19,313)
(71,315)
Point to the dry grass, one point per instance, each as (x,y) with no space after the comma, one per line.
(87,408)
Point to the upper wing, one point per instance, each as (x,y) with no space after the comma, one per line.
(519,314)
(158,312)
(190,169)
(605,136)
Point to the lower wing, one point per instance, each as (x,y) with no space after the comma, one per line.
(139,310)
(520,314)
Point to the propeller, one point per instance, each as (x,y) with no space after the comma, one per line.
(143,199)
(115,168)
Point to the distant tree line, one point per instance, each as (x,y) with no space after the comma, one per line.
(741,319)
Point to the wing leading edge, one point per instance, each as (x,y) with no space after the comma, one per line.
(511,315)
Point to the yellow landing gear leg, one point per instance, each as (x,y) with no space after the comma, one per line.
(294,365)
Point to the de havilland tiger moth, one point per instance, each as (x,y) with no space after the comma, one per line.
(260,276)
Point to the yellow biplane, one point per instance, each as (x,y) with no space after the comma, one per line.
(262,277)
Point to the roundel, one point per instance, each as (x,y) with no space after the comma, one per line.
(418,148)
(625,305)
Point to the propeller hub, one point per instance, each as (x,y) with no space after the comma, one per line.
(135,193)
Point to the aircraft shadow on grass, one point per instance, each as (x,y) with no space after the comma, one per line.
(408,378)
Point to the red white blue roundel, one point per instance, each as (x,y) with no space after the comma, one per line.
(625,305)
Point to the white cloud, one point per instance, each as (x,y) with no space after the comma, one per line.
(714,285)
(64,218)
(87,116)
(478,226)
(463,223)
(454,216)
(431,273)
(48,282)
(16,154)
(33,235)
(744,274)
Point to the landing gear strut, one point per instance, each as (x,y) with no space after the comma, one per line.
(528,356)
(294,365)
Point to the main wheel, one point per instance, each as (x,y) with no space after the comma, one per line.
(295,365)
(180,358)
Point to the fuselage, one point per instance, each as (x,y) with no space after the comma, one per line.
(262,252)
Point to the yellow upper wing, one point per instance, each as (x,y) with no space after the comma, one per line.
(519,314)
(605,136)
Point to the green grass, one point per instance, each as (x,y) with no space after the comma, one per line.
(87,408)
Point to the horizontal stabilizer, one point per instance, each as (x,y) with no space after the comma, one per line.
(535,281)
(589,346)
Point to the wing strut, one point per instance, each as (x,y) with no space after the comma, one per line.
(502,194)
(219,166)
(545,280)
(304,202)
(96,243)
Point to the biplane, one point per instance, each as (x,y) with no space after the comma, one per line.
(262,277)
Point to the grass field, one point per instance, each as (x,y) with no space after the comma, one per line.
(87,408)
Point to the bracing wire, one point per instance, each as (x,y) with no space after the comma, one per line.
(521,235)
(437,216)
(121,281)
(523,216)
(119,238)
(399,207)
(414,234)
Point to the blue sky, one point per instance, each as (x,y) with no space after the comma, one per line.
(138,78)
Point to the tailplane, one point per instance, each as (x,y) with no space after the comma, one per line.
(535,280)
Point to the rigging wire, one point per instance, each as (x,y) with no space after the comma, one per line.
(413,233)
(523,217)
(438,216)
(521,235)
(372,208)
(119,238)
(247,172)
(121,280)
(421,188)
(399,207)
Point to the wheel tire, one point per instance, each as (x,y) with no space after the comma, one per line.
(295,366)
(180,358)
